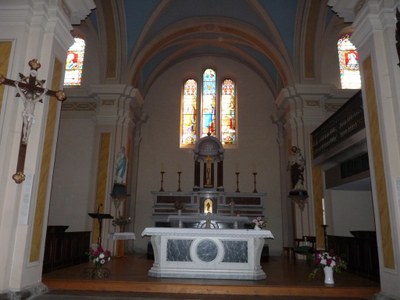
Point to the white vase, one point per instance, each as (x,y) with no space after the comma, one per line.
(256,227)
(328,272)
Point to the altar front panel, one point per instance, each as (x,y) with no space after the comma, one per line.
(207,253)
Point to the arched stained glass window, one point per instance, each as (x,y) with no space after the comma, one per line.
(74,63)
(228,112)
(209,103)
(189,113)
(205,111)
(348,63)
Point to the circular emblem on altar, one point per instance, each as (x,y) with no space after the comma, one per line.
(206,250)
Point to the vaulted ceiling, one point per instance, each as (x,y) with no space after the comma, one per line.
(140,39)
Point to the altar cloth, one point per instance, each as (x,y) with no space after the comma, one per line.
(122,236)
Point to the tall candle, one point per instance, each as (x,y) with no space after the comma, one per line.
(323,212)
(162,167)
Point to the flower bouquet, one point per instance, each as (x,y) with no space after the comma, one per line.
(328,259)
(259,223)
(99,256)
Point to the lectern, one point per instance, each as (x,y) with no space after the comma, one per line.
(100,217)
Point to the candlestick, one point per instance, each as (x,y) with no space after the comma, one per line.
(179,181)
(255,182)
(323,212)
(162,181)
(325,237)
(237,182)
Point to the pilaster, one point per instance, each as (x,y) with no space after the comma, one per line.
(118,111)
(36,29)
(300,110)
(374,35)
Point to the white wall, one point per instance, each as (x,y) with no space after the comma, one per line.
(349,210)
(257,143)
(70,194)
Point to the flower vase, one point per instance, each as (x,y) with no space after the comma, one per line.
(256,227)
(328,272)
(99,272)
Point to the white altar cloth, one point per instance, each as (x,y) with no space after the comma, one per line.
(212,217)
(207,253)
(122,236)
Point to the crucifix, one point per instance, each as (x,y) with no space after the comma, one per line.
(31,91)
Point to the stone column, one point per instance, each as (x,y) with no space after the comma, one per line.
(30,29)
(300,109)
(374,35)
(118,114)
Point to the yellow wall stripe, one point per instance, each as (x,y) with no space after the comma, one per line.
(45,167)
(5,50)
(377,158)
(318,193)
(102,174)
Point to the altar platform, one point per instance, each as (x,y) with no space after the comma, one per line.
(287,279)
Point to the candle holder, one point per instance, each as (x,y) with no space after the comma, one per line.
(237,182)
(162,181)
(255,182)
(179,182)
(324,226)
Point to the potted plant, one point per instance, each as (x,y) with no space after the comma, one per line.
(329,263)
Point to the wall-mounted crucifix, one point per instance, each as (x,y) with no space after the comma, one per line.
(31,91)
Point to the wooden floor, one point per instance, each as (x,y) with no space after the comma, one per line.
(286,279)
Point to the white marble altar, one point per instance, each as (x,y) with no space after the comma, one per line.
(207,253)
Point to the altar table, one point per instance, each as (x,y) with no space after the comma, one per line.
(207,253)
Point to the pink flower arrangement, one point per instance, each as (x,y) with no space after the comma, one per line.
(328,259)
(99,256)
(260,222)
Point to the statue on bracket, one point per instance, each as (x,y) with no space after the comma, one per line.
(297,166)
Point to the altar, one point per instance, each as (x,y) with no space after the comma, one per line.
(207,253)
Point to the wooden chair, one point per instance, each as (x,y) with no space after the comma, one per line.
(305,246)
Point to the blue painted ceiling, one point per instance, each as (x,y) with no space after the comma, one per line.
(259,33)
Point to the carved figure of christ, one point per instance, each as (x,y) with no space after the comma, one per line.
(31,91)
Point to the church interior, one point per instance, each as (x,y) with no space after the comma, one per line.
(165,132)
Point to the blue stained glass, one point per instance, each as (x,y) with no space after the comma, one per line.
(209,103)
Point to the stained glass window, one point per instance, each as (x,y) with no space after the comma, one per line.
(206,109)
(209,103)
(228,112)
(74,63)
(348,63)
(189,113)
